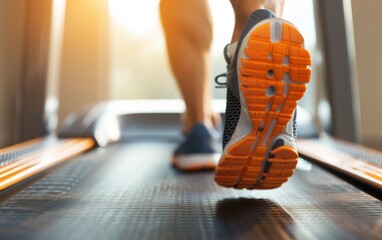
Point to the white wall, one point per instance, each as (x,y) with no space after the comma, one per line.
(367,20)
(84,74)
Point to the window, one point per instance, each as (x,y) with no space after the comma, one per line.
(139,66)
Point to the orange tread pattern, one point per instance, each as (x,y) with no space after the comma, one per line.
(246,164)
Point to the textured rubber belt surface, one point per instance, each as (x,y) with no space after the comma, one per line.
(129,191)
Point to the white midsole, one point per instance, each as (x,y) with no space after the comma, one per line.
(189,160)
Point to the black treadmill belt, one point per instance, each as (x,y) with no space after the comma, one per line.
(129,191)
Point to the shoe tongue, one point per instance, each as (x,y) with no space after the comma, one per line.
(256,17)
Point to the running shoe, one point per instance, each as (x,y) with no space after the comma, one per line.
(266,77)
(199,150)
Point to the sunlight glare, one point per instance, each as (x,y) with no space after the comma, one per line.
(137,17)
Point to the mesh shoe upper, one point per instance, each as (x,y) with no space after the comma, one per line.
(231,117)
(200,140)
(198,150)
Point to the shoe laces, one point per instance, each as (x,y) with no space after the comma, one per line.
(220,84)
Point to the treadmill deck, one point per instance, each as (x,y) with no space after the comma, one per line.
(130,191)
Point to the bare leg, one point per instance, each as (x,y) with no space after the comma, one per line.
(244,8)
(188,30)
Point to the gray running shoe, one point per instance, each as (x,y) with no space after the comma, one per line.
(198,151)
(265,79)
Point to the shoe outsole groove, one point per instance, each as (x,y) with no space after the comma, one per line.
(246,163)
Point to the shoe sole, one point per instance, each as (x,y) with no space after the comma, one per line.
(273,76)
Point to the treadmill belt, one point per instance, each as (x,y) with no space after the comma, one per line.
(129,191)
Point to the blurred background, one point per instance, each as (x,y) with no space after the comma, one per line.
(68,53)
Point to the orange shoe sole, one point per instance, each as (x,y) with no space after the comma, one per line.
(270,102)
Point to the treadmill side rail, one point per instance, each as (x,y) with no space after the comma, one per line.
(13,171)
(352,166)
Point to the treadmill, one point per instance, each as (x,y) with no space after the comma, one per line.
(107,175)
(126,188)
